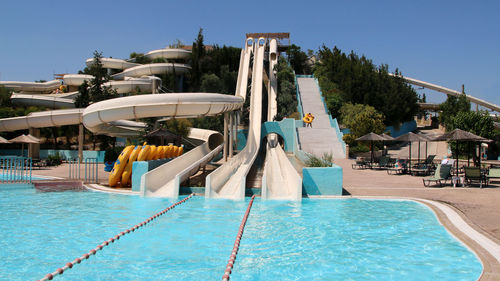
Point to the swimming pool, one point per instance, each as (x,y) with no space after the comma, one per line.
(319,239)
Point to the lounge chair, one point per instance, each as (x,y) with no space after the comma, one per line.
(493,173)
(473,174)
(361,163)
(383,163)
(442,173)
(399,168)
(424,168)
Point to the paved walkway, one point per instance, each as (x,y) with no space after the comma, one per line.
(321,138)
(62,171)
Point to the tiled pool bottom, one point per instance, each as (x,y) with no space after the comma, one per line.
(319,239)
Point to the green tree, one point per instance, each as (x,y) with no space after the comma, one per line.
(83,98)
(197,54)
(298,60)
(350,78)
(476,122)
(97,91)
(210,83)
(286,98)
(362,119)
(451,107)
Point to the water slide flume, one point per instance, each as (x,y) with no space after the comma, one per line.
(133,78)
(448,91)
(229,180)
(280,180)
(181,168)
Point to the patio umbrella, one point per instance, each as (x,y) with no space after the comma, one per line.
(461,135)
(371,137)
(24,139)
(2,140)
(410,137)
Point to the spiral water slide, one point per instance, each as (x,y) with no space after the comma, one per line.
(133,77)
(229,180)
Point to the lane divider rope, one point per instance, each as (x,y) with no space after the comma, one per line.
(232,258)
(111,240)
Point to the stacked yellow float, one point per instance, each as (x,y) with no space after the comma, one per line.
(122,170)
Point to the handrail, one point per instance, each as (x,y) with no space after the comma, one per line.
(236,247)
(69,265)
(74,168)
(91,170)
(16,169)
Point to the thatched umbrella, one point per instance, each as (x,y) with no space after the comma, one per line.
(426,139)
(461,135)
(163,134)
(410,137)
(371,137)
(2,140)
(24,139)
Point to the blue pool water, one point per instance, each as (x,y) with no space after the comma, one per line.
(347,239)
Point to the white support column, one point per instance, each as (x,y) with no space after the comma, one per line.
(236,129)
(80,142)
(231,133)
(224,151)
(154,86)
(34,148)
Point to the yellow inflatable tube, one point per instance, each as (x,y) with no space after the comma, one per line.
(152,152)
(307,119)
(127,173)
(120,165)
(143,155)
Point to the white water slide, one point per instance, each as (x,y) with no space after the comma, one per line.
(447,91)
(280,180)
(134,77)
(229,180)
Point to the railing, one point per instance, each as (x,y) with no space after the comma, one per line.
(15,169)
(91,170)
(74,168)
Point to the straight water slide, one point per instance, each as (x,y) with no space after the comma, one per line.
(229,180)
(448,91)
(280,180)
(176,171)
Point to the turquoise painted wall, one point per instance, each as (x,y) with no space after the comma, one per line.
(285,128)
(322,181)
(242,139)
(139,168)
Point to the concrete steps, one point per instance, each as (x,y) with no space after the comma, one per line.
(321,138)
(59,185)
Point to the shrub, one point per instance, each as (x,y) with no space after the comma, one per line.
(54,160)
(325,161)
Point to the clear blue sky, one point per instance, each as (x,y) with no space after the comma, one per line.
(448,43)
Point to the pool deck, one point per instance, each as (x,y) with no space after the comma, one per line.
(477,207)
